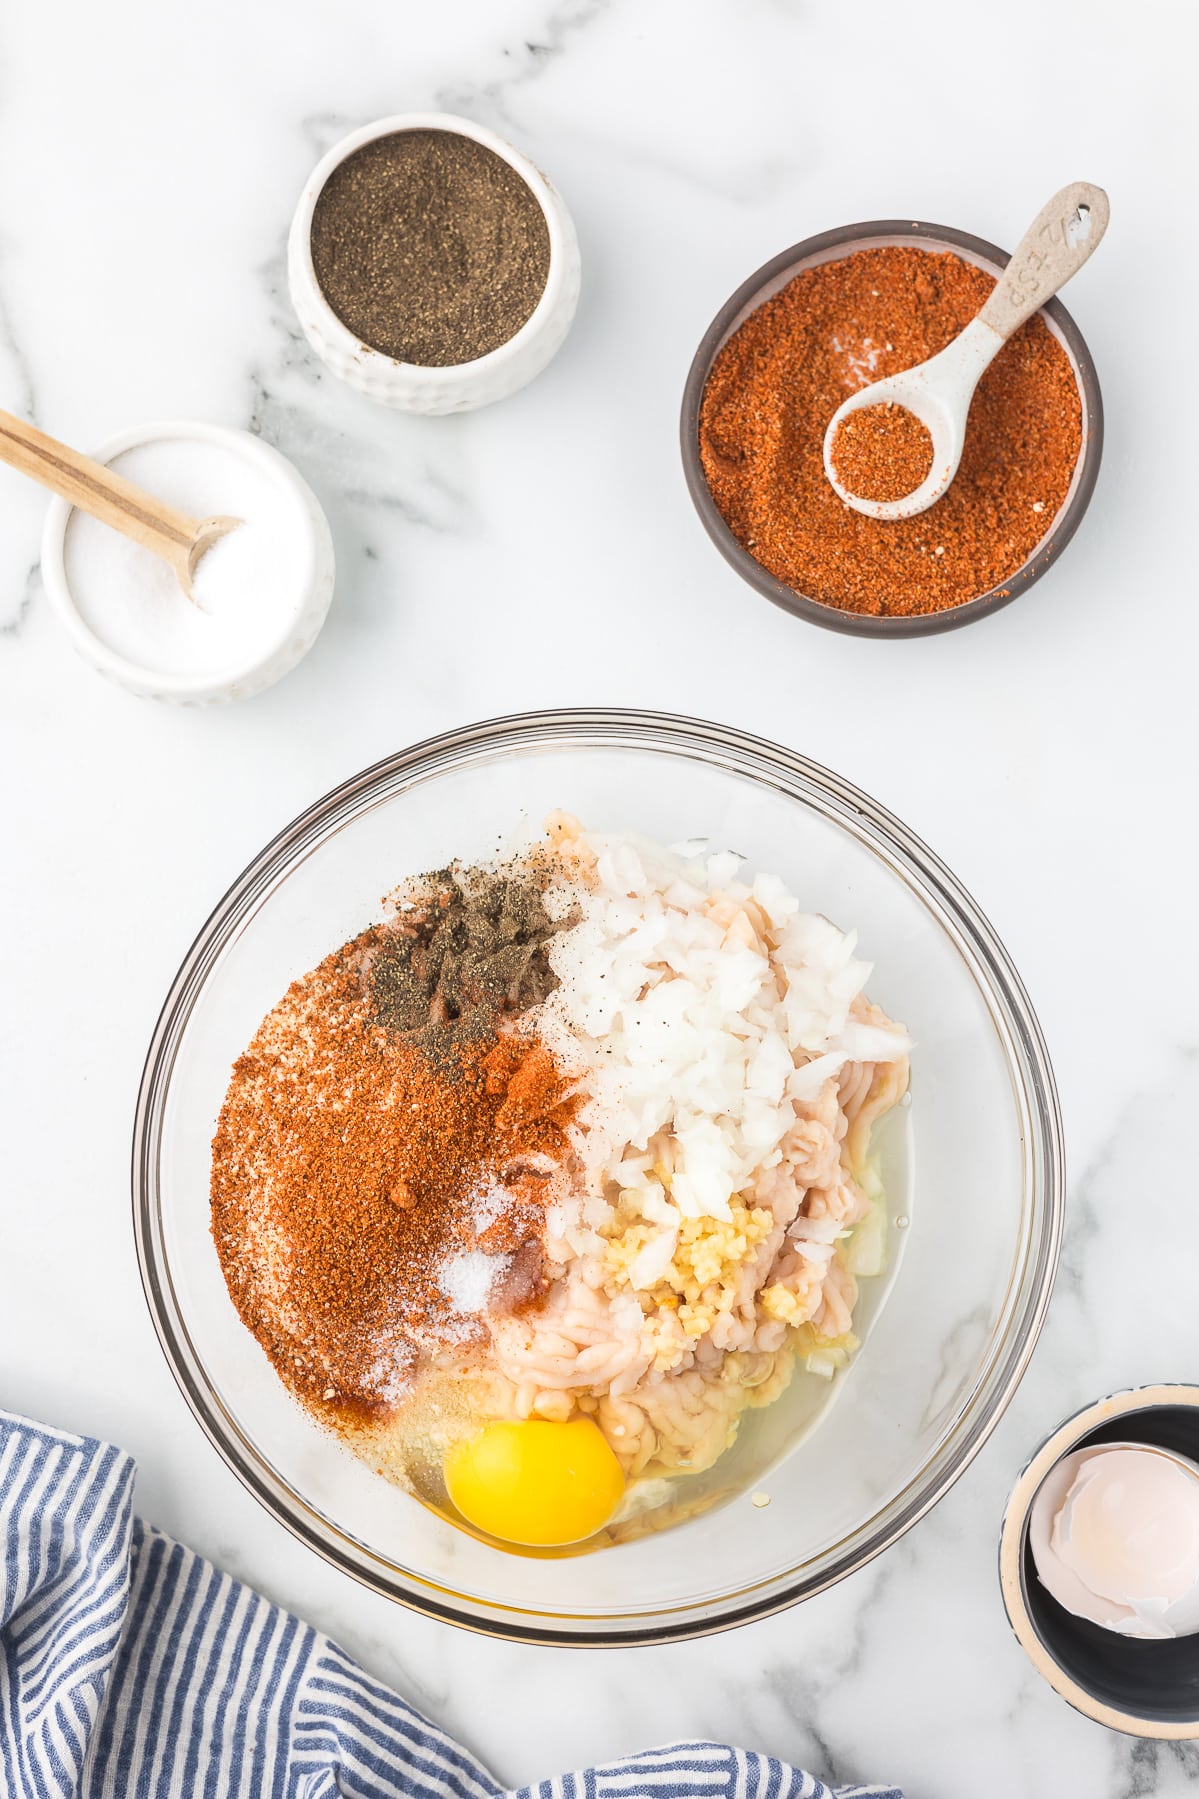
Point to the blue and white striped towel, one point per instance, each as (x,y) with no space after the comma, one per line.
(130,1668)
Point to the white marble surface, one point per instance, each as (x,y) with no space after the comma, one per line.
(545,552)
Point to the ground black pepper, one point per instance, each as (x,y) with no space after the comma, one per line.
(429,247)
(473,948)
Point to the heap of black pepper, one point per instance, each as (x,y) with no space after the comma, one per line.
(473,948)
(429,247)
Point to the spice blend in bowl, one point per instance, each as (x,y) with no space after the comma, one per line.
(431,265)
(430,247)
(369,1108)
(824,320)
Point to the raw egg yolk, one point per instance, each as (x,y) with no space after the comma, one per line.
(536,1482)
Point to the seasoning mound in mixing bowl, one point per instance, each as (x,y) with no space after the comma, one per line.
(832,330)
(575,1144)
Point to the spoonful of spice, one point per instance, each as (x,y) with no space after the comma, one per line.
(180,540)
(893,447)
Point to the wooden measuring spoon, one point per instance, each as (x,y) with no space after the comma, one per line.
(180,541)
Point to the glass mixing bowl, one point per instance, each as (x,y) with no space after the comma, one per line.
(979,1172)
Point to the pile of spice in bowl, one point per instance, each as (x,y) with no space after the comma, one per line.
(431,265)
(826,319)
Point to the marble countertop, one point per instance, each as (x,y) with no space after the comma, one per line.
(544,552)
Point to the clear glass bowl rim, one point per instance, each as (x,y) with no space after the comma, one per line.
(740,753)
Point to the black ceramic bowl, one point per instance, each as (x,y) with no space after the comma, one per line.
(832,246)
(1147,1688)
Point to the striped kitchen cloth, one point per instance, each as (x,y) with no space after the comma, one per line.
(130,1668)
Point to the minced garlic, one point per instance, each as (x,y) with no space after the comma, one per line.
(788,1307)
(709,1254)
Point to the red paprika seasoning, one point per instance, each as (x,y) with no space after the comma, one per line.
(781,376)
(882,452)
(347,1168)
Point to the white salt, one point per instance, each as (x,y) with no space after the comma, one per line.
(468,1278)
(487,1204)
(248,586)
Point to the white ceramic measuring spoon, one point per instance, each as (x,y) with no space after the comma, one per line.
(1060,239)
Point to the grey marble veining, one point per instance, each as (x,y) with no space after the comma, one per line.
(512,62)
(545,553)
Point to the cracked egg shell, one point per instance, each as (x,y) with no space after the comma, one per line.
(1114,1534)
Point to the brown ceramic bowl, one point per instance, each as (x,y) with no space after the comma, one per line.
(831,246)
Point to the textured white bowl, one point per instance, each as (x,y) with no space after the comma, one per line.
(232,683)
(463,386)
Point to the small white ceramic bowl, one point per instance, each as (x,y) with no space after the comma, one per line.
(315,591)
(463,386)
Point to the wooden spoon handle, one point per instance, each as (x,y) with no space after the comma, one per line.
(1063,235)
(169,533)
